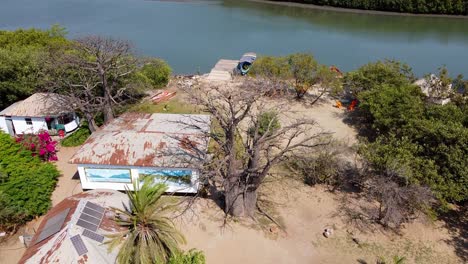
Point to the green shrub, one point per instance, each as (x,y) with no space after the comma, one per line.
(191,257)
(77,138)
(10,217)
(28,182)
(157,72)
(268,122)
(375,74)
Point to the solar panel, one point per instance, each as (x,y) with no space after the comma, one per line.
(93,236)
(79,245)
(93,213)
(53,225)
(90,219)
(60,217)
(86,225)
(95,207)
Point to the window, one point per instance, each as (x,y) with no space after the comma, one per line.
(28,121)
(66,119)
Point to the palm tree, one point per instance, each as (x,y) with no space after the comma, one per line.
(151,236)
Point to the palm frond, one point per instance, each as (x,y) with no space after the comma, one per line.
(151,236)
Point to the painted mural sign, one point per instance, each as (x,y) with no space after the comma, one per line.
(181,178)
(108,175)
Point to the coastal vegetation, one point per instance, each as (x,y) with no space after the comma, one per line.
(413,151)
(448,7)
(300,71)
(26,184)
(410,139)
(21,54)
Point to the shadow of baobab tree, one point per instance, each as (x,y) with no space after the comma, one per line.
(456,221)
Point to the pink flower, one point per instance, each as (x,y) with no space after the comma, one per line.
(50,148)
(42,152)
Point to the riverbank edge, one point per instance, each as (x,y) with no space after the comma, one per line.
(355,11)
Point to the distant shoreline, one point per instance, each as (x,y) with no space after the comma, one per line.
(356,11)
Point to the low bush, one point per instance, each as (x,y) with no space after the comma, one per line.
(157,72)
(27,182)
(322,167)
(190,257)
(10,217)
(77,138)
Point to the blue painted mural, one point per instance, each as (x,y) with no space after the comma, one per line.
(108,175)
(180,178)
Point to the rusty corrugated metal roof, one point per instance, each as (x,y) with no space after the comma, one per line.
(147,140)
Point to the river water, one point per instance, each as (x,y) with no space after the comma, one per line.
(193,35)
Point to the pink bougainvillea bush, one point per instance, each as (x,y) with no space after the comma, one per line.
(40,145)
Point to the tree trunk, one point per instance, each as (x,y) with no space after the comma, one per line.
(91,123)
(240,203)
(108,113)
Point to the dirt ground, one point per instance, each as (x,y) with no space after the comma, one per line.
(303,211)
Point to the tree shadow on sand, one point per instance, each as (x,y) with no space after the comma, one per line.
(456,221)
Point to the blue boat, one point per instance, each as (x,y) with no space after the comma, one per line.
(246,62)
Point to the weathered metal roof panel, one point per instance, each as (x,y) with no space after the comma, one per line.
(145,140)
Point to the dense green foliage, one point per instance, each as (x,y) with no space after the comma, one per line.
(77,138)
(10,216)
(157,72)
(27,183)
(20,61)
(410,139)
(370,75)
(451,7)
(190,257)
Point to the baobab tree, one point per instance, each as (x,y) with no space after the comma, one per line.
(95,73)
(251,136)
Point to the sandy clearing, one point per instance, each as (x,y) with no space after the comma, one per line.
(305,213)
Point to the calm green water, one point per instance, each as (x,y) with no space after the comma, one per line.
(193,35)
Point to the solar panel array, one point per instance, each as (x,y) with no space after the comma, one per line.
(91,216)
(90,219)
(53,225)
(79,245)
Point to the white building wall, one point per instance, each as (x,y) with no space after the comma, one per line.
(21,127)
(3,125)
(86,184)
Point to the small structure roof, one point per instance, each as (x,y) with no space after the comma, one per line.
(58,248)
(148,140)
(37,105)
